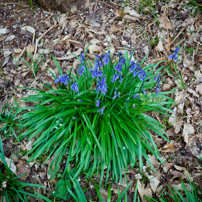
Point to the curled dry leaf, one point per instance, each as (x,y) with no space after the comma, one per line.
(4,31)
(188,130)
(170,147)
(193,147)
(154,182)
(29,29)
(199,88)
(143,191)
(186,173)
(22,168)
(63,21)
(10,164)
(164,22)
(159,46)
(132,12)
(176,120)
(10,38)
(94,49)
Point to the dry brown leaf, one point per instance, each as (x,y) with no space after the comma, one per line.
(189,64)
(163,21)
(170,147)
(176,120)
(30,48)
(22,168)
(154,182)
(94,49)
(104,194)
(132,12)
(142,191)
(159,47)
(188,130)
(193,147)
(188,21)
(186,172)
(10,38)
(199,88)
(199,58)
(29,29)
(10,164)
(130,18)
(4,31)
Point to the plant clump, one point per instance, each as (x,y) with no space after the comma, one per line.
(98,117)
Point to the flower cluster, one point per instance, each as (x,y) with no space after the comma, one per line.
(82,65)
(63,79)
(157,78)
(174,55)
(102,85)
(137,70)
(121,62)
(74,87)
(106,58)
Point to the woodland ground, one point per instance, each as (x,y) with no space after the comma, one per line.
(146,26)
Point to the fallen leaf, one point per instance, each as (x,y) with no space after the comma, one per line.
(176,120)
(186,172)
(131,12)
(188,130)
(160,47)
(10,38)
(3,31)
(170,147)
(29,29)
(94,49)
(142,191)
(164,21)
(22,168)
(154,182)
(199,88)
(10,164)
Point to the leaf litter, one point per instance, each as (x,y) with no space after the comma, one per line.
(99,25)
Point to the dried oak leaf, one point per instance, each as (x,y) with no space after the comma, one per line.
(176,120)
(187,131)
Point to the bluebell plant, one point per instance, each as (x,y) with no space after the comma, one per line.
(99,117)
(174,56)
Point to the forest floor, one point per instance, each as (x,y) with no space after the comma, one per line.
(158,28)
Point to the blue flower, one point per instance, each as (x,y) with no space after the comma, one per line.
(134,66)
(98,64)
(98,103)
(74,86)
(120,64)
(63,79)
(115,77)
(106,58)
(158,82)
(174,55)
(80,100)
(95,72)
(116,94)
(142,74)
(102,85)
(101,110)
(98,57)
(120,53)
(81,70)
(136,96)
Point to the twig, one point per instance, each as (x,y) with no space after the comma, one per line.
(48,18)
(37,40)
(177,35)
(95,6)
(106,4)
(167,30)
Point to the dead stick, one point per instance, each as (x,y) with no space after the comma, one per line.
(37,40)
